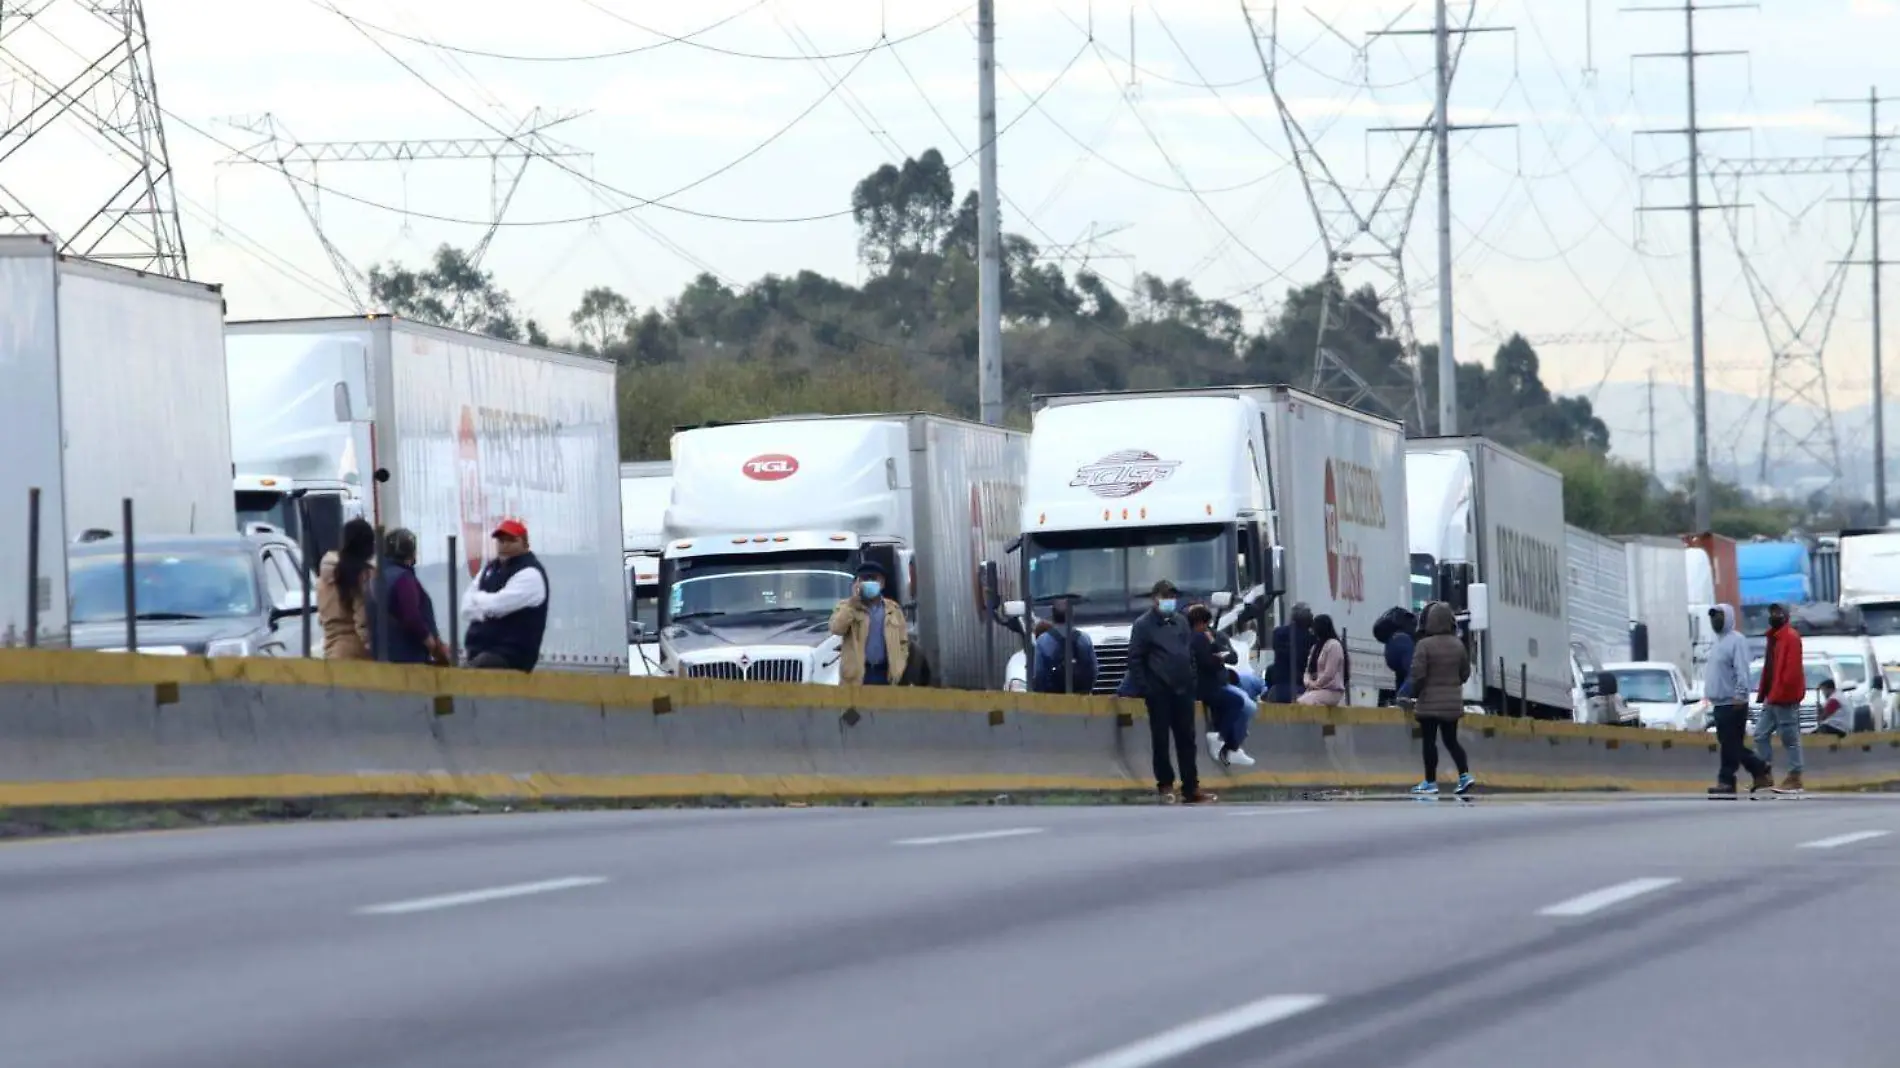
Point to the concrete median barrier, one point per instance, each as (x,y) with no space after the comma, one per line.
(106,729)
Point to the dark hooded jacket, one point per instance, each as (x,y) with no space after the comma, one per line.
(1440,667)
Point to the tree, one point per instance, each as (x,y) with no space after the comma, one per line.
(602,318)
(453,292)
(903,209)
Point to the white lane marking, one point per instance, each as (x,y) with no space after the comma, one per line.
(1843,839)
(476,897)
(1203,1032)
(1268,811)
(974,836)
(1597,900)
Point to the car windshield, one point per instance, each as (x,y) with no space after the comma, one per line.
(188,585)
(1853,669)
(1646,684)
(1113,571)
(749,585)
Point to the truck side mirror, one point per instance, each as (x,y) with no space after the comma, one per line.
(1606,684)
(1221,601)
(1478,604)
(1015,609)
(1276,567)
(340,398)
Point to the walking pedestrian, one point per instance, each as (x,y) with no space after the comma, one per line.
(507,607)
(876,636)
(407,612)
(1229,708)
(1325,677)
(1784,685)
(1291,642)
(1161,667)
(343,593)
(1440,668)
(1053,643)
(1726,683)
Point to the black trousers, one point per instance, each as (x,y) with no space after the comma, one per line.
(1433,730)
(1172,716)
(1731,726)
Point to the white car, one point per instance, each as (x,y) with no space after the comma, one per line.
(1818,668)
(1660,696)
(1861,684)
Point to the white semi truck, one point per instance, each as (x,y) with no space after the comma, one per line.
(1660,601)
(1488,537)
(112,385)
(1248,498)
(646,488)
(770,520)
(1870,585)
(445,433)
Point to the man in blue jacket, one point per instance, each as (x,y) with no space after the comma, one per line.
(1292,642)
(1050,647)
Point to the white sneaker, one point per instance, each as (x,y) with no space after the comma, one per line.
(1240,759)
(1214,745)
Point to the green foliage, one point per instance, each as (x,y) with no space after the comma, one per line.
(452,291)
(1613,497)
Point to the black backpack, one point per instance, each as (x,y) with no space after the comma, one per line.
(1396,620)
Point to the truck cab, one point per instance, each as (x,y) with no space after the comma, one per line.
(310,512)
(1870,585)
(1125,491)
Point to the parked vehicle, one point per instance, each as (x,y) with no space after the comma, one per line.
(1594,690)
(1870,585)
(1817,669)
(1249,498)
(1661,697)
(1659,600)
(1863,689)
(645,490)
(195,595)
(1487,526)
(445,433)
(107,375)
(770,520)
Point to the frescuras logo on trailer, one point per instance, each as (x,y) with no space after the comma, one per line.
(771,467)
(1124,473)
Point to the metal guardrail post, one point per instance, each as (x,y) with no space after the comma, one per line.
(131,580)
(304,564)
(455,615)
(1524,689)
(379,629)
(32,567)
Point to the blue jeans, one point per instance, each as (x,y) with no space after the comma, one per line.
(877,674)
(1785,720)
(1233,710)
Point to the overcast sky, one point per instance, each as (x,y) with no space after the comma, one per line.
(1152,143)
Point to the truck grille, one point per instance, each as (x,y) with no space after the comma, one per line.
(778,670)
(1111,666)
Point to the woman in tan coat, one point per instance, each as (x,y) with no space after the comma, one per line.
(343,593)
(1440,667)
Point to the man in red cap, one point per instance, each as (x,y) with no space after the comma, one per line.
(507,607)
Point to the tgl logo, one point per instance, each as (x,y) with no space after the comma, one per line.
(771,468)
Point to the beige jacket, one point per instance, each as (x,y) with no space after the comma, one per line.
(345,633)
(1331,675)
(851,620)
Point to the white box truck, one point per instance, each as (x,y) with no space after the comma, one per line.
(456,431)
(1597,595)
(1487,535)
(1659,600)
(1249,498)
(112,385)
(770,520)
(646,487)
(1869,583)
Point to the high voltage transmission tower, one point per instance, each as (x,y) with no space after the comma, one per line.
(1356,232)
(300,162)
(86,79)
(1876,146)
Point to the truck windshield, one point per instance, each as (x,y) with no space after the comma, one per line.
(1424,581)
(266,506)
(1754,619)
(1881,619)
(203,585)
(706,587)
(281,510)
(1112,571)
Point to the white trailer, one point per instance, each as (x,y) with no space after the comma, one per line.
(1251,498)
(457,430)
(770,520)
(646,487)
(1597,593)
(112,386)
(1659,600)
(1488,528)
(1869,581)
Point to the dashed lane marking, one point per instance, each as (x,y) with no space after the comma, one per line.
(1598,900)
(1180,1041)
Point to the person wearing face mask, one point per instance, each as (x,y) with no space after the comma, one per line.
(1161,669)
(876,635)
(1784,685)
(1725,682)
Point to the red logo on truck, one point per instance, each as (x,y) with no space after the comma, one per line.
(771,467)
(468,457)
(1124,473)
(1345,568)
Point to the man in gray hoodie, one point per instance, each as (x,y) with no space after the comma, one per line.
(1726,683)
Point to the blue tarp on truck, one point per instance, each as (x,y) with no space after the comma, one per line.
(1773,571)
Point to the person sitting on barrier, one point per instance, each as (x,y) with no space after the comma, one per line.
(1228,705)
(1325,677)
(1291,642)
(1440,668)
(1051,644)
(343,593)
(404,623)
(1835,718)
(507,607)
(876,645)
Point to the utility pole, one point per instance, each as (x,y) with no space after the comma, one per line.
(1875,142)
(989,293)
(1695,207)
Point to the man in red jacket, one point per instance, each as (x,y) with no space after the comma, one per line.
(1784,685)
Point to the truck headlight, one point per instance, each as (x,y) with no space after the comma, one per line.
(229,647)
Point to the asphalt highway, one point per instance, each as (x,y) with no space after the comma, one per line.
(1557,933)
